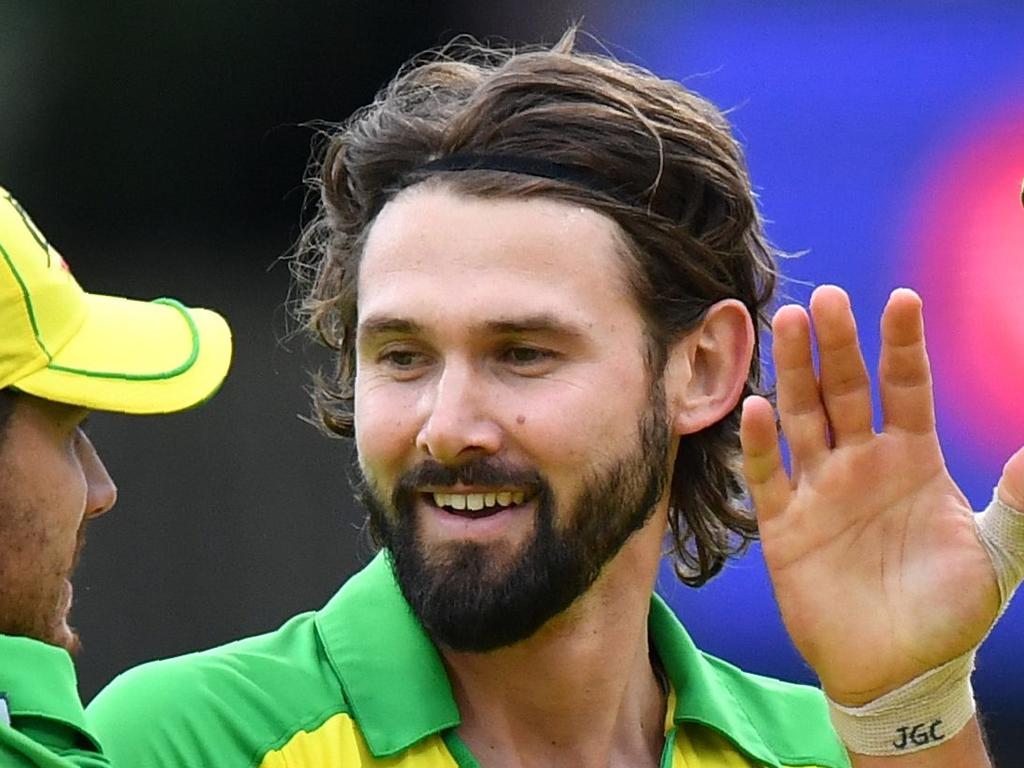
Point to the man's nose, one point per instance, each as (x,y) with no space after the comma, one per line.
(101,493)
(458,422)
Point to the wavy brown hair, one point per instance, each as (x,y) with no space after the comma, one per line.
(672,177)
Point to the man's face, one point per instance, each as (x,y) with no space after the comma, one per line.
(51,482)
(508,429)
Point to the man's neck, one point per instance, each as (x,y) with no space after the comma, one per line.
(581,691)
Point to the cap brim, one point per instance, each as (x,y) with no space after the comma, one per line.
(137,357)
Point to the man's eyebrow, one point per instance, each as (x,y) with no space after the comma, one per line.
(540,323)
(378,326)
(511,326)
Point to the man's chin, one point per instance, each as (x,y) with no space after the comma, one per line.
(63,634)
(491,561)
(478,598)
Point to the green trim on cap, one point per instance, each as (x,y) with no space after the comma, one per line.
(170,374)
(37,236)
(193,329)
(28,298)
(30,225)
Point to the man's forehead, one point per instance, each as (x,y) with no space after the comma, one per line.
(438,241)
(424,220)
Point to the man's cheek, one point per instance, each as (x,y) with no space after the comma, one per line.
(373,483)
(383,444)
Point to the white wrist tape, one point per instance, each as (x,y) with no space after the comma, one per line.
(921,714)
(1001,530)
(934,706)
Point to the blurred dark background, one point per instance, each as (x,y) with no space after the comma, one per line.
(161,148)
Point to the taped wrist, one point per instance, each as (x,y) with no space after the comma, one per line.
(1001,531)
(923,713)
(935,706)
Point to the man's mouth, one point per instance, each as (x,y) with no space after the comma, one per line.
(479,504)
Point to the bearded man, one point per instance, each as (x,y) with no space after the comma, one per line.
(545,277)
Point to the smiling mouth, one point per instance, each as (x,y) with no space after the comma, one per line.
(476,505)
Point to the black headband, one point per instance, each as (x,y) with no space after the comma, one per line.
(526,166)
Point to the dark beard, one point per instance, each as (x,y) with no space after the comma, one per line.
(470,600)
(38,612)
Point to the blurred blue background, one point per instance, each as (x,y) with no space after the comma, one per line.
(160,147)
(887,143)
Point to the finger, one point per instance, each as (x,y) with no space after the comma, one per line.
(1011,484)
(762,460)
(904,375)
(845,385)
(800,409)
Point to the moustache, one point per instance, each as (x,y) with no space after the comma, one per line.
(476,472)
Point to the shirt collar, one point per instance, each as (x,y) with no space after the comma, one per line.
(40,679)
(768,720)
(702,695)
(391,673)
(398,690)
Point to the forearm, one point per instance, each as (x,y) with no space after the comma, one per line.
(964,750)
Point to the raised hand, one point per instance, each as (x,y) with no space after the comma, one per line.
(871,547)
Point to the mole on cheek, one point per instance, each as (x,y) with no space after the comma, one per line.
(520,419)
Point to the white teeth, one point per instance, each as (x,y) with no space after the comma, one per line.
(478,501)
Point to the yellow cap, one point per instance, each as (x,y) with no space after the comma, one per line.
(100,352)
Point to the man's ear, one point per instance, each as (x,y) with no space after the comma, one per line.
(707,369)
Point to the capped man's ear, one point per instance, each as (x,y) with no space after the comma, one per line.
(707,369)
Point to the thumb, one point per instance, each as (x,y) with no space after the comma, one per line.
(1011,484)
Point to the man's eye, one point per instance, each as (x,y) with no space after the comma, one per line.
(401,358)
(527,355)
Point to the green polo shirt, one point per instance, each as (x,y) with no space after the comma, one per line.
(359,683)
(43,724)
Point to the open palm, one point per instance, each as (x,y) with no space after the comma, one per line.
(870,545)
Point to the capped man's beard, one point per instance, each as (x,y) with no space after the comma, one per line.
(479,597)
(36,609)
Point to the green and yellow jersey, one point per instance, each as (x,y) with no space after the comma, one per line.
(42,724)
(359,684)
